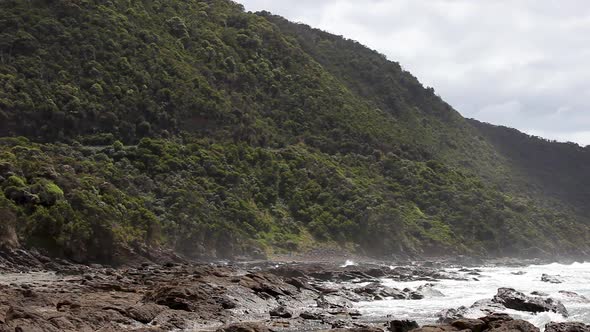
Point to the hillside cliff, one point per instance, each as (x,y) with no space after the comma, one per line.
(196,126)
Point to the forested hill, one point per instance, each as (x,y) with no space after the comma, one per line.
(559,171)
(196,126)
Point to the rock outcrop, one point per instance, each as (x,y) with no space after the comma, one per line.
(516,300)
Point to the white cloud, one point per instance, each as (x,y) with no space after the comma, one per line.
(483,57)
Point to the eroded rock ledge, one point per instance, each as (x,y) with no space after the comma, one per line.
(53,295)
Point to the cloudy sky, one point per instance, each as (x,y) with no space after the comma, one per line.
(520,63)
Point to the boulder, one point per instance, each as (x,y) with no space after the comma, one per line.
(475,325)
(513,299)
(428,290)
(449,315)
(511,326)
(378,291)
(402,325)
(567,327)
(495,317)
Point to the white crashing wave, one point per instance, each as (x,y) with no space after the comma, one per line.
(575,277)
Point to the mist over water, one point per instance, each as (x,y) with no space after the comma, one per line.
(574,277)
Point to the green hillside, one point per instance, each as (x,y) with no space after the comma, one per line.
(196,126)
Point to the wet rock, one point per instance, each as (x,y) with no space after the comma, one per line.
(300,283)
(267,283)
(495,317)
(244,327)
(332,302)
(281,312)
(494,322)
(344,312)
(376,272)
(402,325)
(487,306)
(518,273)
(513,299)
(289,272)
(511,326)
(376,289)
(475,325)
(567,327)
(574,296)
(550,279)
(428,290)
(340,324)
(537,293)
(449,315)
(311,315)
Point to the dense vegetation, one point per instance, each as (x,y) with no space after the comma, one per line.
(196,126)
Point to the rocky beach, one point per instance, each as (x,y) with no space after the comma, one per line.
(41,294)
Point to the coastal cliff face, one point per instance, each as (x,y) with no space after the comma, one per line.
(150,128)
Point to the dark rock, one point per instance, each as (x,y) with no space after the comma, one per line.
(550,279)
(513,299)
(567,327)
(511,326)
(186,298)
(537,293)
(289,272)
(281,312)
(495,317)
(267,283)
(311,315)
(475,325)
(415,295)
(376,289)
(402,325)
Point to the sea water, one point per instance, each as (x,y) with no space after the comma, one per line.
(575,278)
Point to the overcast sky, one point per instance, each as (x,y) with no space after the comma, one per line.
(520,63)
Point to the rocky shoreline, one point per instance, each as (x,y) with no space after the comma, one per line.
(41,294)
